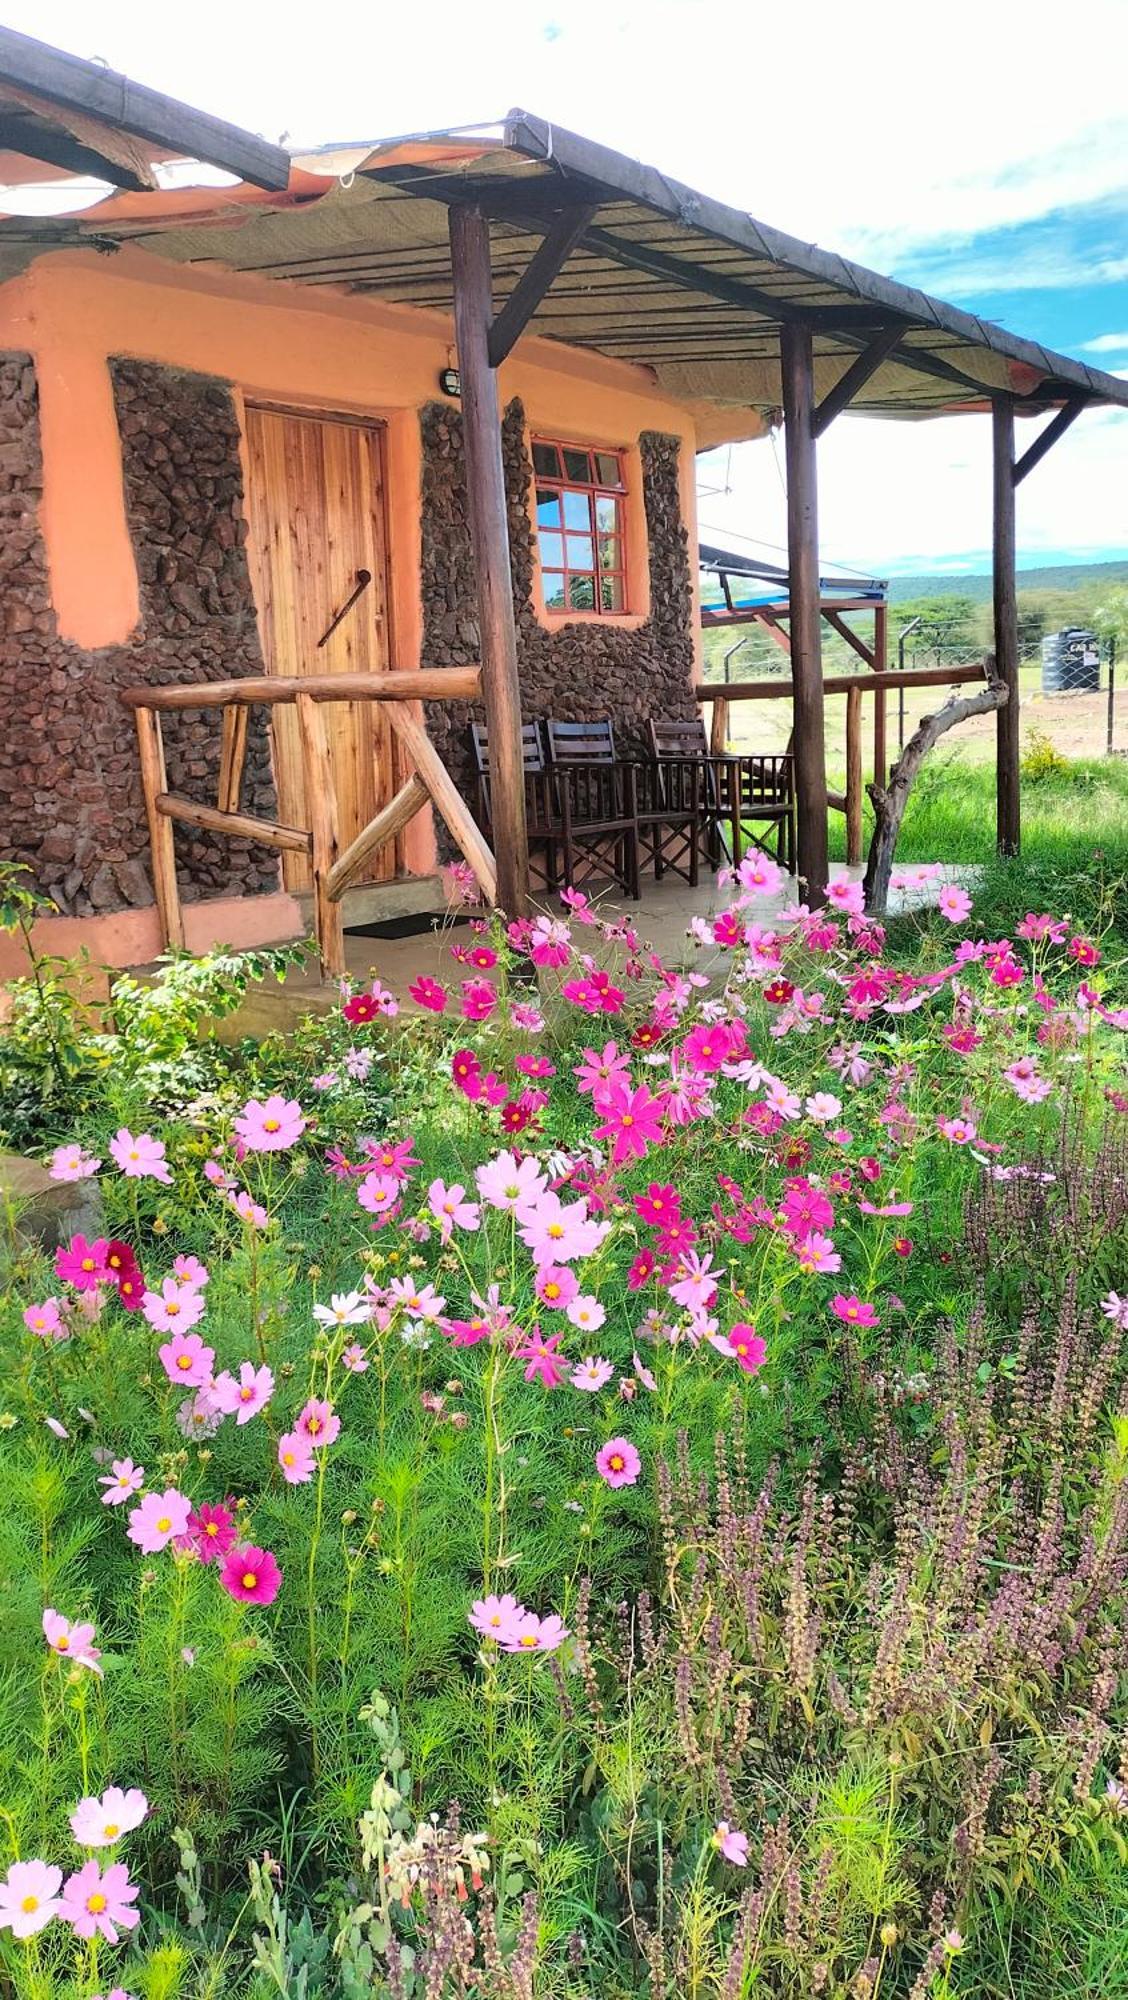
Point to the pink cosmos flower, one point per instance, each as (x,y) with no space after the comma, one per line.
(846,897)
(45,1320)
(598,1073)
(29,1897)
(479,998)
(394,1157)
(558,1233)
(758,875)
(141,1158)
(556,1285)
(271,1127)
(545,1365)
(633,1122)
(591,1374)
(961,1131)
(100,1822)
(97,1902)
(1036,929)
(586,1313)
(451,1209)
(174,1309)
(296,1458)
(1027,1082)
(379,1193)
(159,1519)
(852,1309)
(1116,1309)
(551,942)
(733,1845)
(954,903)
(817,1254)
(355,1359)
(185,1358)
(82,1264)
(695,1283)
(252,1575)
(823,1107)
(71,1642)
(248,1210)
(618,1463)
(211,1532)
(190,1271)
(121,1482)
(496,1617)
(511,1184)
(244,1396)
(747,1348)
(319,1422)
(71,1163)
(531,1634)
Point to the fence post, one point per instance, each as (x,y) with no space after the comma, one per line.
(1111,693)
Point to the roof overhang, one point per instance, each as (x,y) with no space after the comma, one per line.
(659,276)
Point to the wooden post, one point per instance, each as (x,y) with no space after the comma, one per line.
(321,805)
(489,535)
(809,742)
(854,775)
(232,757)
(150,745)
(1008,807)
(880,661)
(718,733)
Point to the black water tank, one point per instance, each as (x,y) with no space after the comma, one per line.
(1071,662)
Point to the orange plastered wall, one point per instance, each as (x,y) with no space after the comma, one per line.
(73,310)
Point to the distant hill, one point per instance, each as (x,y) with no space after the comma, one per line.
(1054,576)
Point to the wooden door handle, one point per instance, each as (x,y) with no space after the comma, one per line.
(363,579)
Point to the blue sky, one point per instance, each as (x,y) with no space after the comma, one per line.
(975,161)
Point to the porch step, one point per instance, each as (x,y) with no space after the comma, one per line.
(378,902)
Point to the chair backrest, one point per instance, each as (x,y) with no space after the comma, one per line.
(678,739)
(532,747)
(581,742)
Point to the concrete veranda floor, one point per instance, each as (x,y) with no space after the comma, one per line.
(661,919)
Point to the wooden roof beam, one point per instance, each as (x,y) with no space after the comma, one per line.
(1047,438)
(544,265)
(36,140)
(124,106)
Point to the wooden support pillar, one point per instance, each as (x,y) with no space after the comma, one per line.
(880,662)
(854,774)
(150,745)
(489,535)
(1008,808)
(809,745)
(321,805)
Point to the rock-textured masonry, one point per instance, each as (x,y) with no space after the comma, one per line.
(70,789)
(586,668)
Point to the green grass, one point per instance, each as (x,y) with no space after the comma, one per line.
(1074,838)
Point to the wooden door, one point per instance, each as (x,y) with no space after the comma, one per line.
(315,504)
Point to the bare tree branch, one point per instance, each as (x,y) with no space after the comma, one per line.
(889,802)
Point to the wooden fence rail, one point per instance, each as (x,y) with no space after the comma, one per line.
(853,686)
(333,871)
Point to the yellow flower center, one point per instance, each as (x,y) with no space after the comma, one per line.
(111,1829)
(556,1229)
(552,1291)
(529,1639)
(62,1643)
(171,1308)
(184,1360)
(96,1904)
(29,1904)
(314,1425)
(164,1524)
(212,1529)
(88,1264)
(617,1461)
(249,1579)
(271,1124)
(627,1118)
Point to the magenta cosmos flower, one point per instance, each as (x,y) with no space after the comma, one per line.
(29,1897)
(160,1519)
(747,1347)
(185,1359)
(618,1463)
(543,1363)
(633,1122)
(732,1844)
(82,1264)
(855,1311)
(271,1127)
(174,1308)
(211,1532)
(71,1642)
(100,1822)
(243,1397)
(319,1422)
(141,1158)
(531,1634)
(251,1575)
(98,1901)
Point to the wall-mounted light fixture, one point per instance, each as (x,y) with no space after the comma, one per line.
(450,382)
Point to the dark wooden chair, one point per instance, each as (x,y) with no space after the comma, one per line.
(596,801)
(738,792)
(541,818)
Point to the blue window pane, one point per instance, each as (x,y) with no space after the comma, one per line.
(548,510)
(552,551)
(577,512)
(553,592)
(581,552)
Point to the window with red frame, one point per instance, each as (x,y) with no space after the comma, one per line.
(580,528)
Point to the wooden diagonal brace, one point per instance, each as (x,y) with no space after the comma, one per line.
(1056,428)
(855,378)
(544,265)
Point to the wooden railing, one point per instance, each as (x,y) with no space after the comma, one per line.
(333,870)
(853,686)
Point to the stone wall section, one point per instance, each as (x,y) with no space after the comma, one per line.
(70,788)
(585,668)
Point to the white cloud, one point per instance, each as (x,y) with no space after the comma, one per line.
(1106,343)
